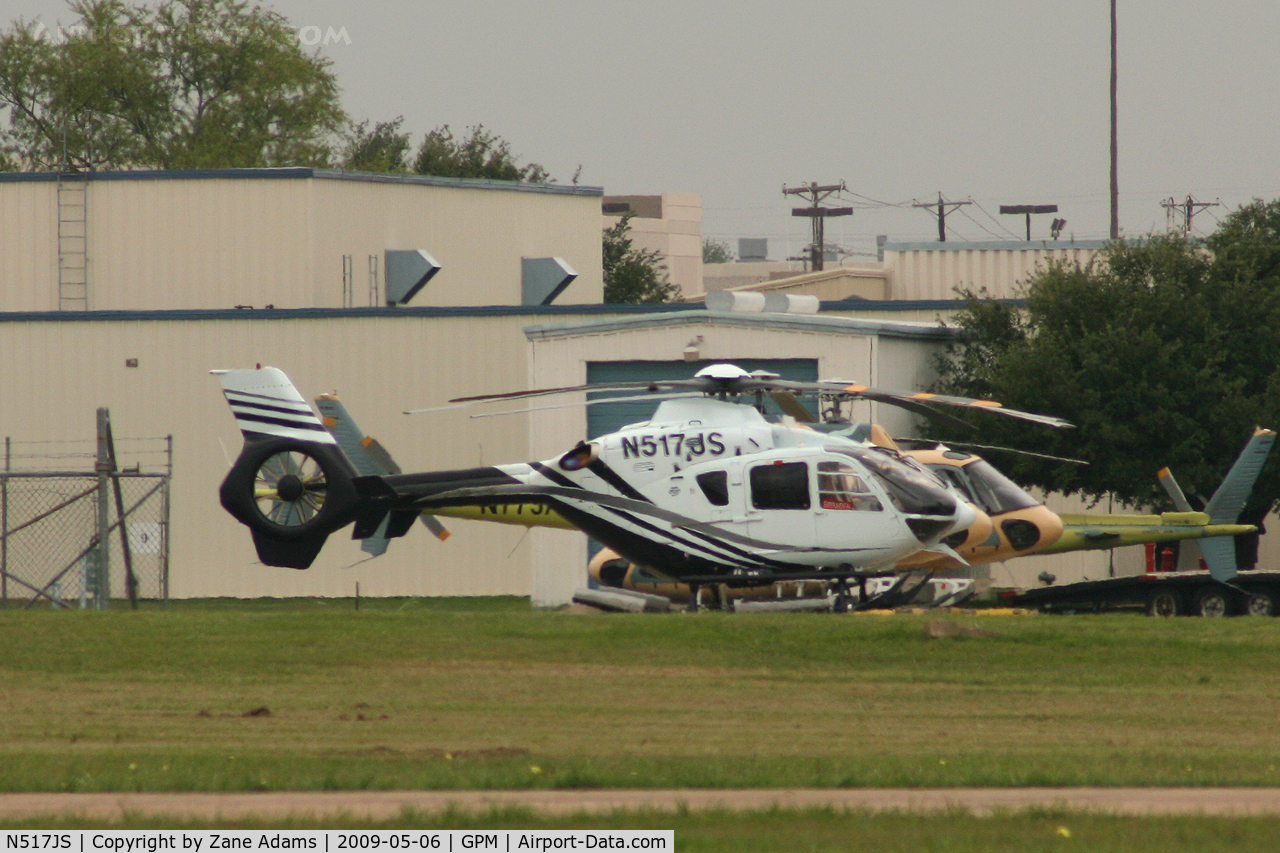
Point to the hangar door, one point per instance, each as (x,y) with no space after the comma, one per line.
(613,416)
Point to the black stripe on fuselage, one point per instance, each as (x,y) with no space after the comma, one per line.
(735,555)
(560,479)
(613,478)
(416,486)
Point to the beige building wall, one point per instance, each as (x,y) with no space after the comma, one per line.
(930,271)
(871,283)
(59,370)
(208,240)
(743,273)
(671,225)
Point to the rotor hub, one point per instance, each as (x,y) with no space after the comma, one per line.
(290,488)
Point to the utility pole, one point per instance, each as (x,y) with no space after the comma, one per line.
(941,213)
(1115,168)
(818,215)
(1188,209)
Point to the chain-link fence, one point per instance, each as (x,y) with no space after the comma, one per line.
(82,538)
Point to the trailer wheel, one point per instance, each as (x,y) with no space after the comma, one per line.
(1259,602)
(1163,602)
(1210,602)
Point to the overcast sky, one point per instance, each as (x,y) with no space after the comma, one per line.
(1001,102)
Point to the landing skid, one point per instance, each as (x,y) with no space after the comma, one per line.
(841,579)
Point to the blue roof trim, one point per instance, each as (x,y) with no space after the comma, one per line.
(460,183)
(297,172)
(336,313)
(460,311)
(891,305)
(997,245)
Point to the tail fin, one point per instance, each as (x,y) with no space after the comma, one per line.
(1227,502)
(369,458)
(1224,507)
(291,486)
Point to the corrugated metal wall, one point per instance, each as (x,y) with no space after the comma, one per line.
(58,372)
(29,241)
(934,270)
(203,241)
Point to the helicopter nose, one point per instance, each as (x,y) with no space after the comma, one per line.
(966,517)
(931,530)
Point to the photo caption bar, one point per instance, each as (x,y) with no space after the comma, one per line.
(335,841)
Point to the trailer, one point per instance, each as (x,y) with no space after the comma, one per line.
(1192,593)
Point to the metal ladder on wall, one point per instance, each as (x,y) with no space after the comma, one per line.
(73,241)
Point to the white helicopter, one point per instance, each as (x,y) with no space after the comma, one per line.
(705,492)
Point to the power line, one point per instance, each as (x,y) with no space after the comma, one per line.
(941,213)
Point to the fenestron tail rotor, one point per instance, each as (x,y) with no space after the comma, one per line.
(289,488)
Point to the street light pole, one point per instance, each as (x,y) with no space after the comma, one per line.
(1115,173)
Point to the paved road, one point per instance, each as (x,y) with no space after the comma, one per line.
(378,805)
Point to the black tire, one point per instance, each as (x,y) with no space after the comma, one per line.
(1211,602)
(1259,602)
(1164,602)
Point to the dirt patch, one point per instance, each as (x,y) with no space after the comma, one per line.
(380,805)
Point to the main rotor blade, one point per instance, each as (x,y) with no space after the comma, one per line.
(996,448)
(788,402)
(546,392)
(602,400)
(898,398)
(919,403)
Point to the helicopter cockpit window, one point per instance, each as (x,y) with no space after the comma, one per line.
(780,486)
(954,477)
(715,486)
(841,487)
(910,490)
(997,492)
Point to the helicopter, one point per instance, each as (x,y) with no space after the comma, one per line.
(1011,523)
(705,492)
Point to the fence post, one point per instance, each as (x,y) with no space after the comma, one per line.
(4,522)
(101,571)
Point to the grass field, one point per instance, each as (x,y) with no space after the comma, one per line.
(304,694)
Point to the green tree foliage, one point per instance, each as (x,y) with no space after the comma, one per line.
(184,84)
(1164,352)
(716,252)
(631,274)
(480,154)
(385,148)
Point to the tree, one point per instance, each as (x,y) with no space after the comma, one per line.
(482,154)
(633,275)
(186,84)
(1163,352)
(715,252)
(383,149)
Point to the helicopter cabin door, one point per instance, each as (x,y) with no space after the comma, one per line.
(846,508)
(779,501)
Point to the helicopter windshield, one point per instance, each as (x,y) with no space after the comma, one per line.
(909,490)
(987,487)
